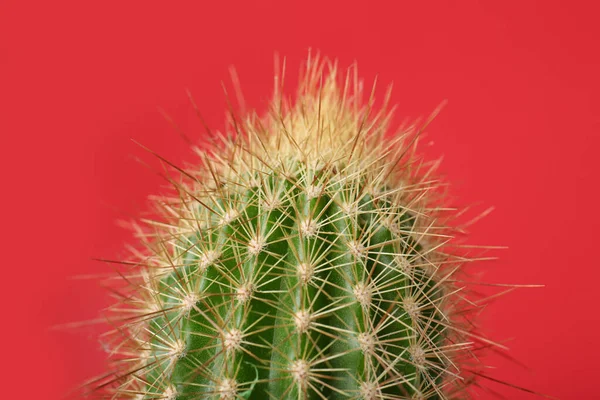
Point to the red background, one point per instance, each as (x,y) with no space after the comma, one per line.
(521,133)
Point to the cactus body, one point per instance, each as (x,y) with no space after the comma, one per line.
(303,259)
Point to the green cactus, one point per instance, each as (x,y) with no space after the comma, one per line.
(305,258)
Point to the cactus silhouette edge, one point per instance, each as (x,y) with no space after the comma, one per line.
(310,254)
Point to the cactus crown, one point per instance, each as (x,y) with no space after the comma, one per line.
(304,258)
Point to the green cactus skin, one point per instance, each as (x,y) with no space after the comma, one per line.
(303,259)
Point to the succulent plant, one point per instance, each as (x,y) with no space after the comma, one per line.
(306,256)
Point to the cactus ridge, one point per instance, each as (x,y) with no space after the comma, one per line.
(305,258)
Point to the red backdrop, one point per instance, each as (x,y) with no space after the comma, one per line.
(520,133)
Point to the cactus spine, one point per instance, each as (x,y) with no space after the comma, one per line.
(303,259)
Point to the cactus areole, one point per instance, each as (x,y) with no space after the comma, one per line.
(304,257)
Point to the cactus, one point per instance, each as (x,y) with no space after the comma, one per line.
(306,257)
